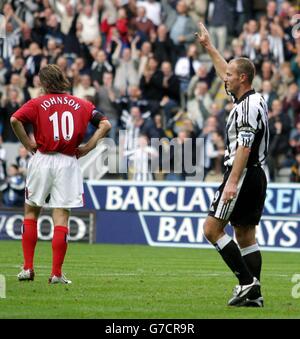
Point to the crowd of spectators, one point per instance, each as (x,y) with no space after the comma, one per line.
(138,62)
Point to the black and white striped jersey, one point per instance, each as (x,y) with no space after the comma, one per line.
(247,125)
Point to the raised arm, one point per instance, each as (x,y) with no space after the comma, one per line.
(96,6)
(117,53)
(219,62)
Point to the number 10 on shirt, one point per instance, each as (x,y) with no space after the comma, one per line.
(66,125)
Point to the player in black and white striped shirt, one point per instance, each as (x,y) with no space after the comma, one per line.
(248,124)
(240,198)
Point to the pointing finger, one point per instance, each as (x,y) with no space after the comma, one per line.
(202,28)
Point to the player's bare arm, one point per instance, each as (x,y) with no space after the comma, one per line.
(103,128)
(21,134)
(219,62)
(239,164)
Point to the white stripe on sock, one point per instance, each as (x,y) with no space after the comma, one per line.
(249,249)
(222,242)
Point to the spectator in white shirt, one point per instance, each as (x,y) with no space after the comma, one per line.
(153,10)
(84,88)
(89,18)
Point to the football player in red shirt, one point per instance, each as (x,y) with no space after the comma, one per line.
(54,178)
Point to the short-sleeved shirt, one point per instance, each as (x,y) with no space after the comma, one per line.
(247,126)
(59,121)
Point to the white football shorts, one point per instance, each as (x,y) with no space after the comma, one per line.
(54,180)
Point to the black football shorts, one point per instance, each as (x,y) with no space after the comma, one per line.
(246,208)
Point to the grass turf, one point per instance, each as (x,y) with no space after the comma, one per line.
(141,282)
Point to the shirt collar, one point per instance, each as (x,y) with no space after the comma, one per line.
(245,95)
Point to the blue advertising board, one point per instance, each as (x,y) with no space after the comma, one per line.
(163,214)
(81,225)
(173,213)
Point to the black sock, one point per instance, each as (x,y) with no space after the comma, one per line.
(234,260)
(252,257)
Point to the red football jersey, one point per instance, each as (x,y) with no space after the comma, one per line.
(59,121)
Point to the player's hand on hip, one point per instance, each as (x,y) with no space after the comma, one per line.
(203,36)
(229,192)
(82,151)
(32,147)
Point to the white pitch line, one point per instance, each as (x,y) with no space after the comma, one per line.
(155,274)
(130,274)
(48,268)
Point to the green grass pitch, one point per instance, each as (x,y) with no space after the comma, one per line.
(142,282)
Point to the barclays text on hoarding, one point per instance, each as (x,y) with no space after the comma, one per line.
(175,198)
(186,230)
(152,199)
(283,201)
(173,214)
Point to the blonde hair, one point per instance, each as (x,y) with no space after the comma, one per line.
(246,66)
(53,79)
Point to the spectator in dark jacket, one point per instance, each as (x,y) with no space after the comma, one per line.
(280,128)
(162,45)
(22,160)
(10,106)
(170,84)
(264,54)
(99,67)
(151,85)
